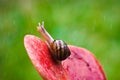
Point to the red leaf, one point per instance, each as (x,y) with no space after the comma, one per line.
(80,65)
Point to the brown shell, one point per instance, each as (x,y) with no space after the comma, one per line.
(60,50)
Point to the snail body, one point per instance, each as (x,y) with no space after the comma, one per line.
(58,48)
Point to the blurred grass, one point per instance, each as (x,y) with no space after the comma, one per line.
(92,24)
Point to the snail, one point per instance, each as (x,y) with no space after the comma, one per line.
(58,48)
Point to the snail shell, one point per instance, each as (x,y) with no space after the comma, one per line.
(58,48)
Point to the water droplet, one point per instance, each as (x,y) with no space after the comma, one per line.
(14,22)
(104,17)
(111,26)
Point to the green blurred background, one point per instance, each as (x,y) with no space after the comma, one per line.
(92,24)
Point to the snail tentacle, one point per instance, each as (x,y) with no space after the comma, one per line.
(44,33)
